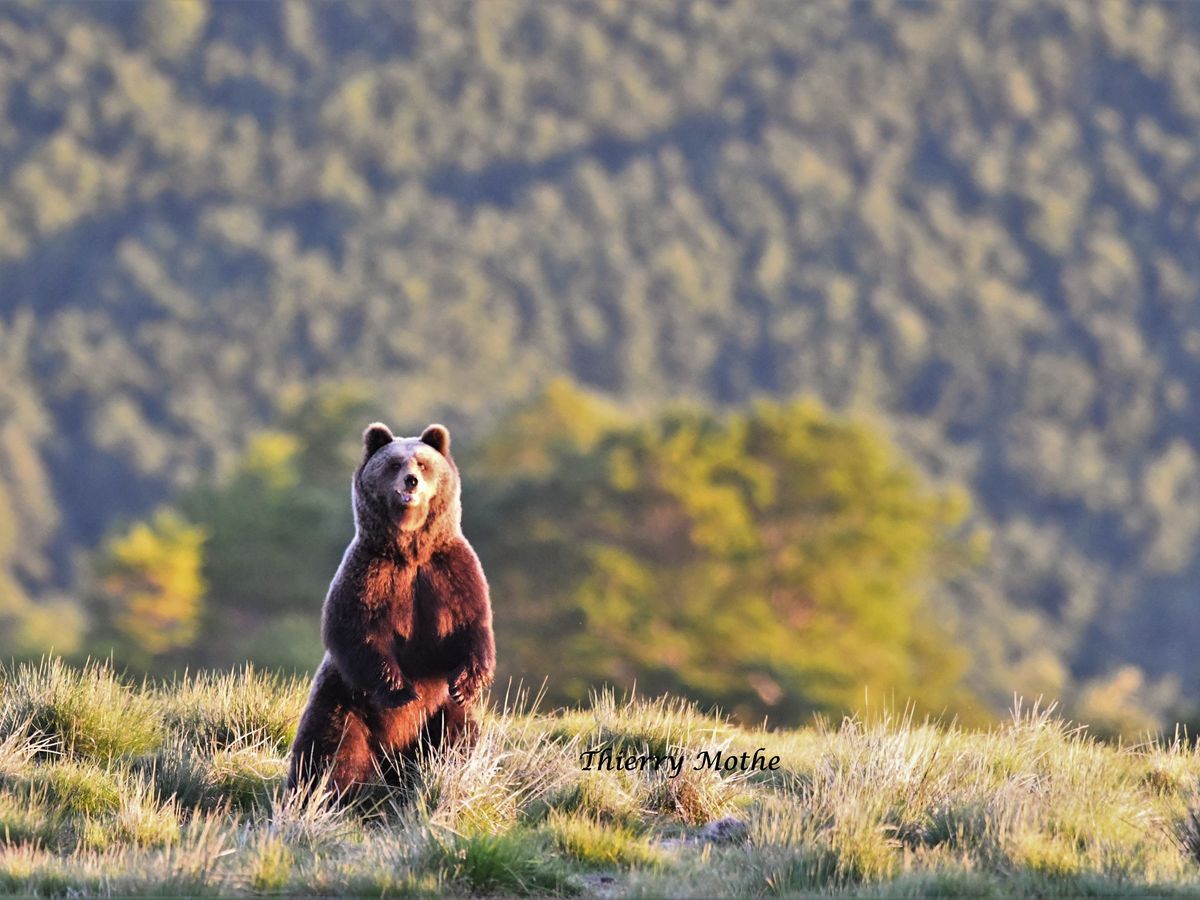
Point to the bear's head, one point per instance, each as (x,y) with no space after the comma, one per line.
(406,487)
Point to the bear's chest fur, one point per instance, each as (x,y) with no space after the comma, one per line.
(413,599)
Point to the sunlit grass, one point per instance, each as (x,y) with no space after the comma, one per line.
(187,797)
(87,712)
(599,845)
(234,708)
(513,862)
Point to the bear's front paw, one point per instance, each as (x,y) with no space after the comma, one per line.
(391,697)
(464,685)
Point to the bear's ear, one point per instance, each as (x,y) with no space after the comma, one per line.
(377,435)
(437,437)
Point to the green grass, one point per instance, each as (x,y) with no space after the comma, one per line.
(511,862)
(108,787)
(85,712)
(226,709)
(598,845)
(75,788)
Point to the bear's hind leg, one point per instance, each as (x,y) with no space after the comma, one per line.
(354,759)
(450,726)
(446,726)
(333,739)
(342,752)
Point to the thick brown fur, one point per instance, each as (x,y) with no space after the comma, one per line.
(407,622)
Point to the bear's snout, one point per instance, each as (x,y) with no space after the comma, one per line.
(408,490)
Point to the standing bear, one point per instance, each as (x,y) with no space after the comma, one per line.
(407,623)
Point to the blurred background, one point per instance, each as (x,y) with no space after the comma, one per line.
(798,355)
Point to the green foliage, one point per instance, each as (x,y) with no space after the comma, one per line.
(278,525)
(152,583)
(28,512)
(259,518)
(531,437)
(772,561)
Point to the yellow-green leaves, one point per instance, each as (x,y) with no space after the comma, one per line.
(152,575)
(774,561)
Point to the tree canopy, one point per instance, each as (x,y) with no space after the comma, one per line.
(776,561)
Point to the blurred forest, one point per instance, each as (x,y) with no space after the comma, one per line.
(232,233)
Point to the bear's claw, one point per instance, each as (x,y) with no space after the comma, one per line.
(390,698)
(466,683)
(462,687)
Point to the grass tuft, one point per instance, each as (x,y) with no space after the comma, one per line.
(86,712)
(515,862)
(230,709)
(245,776)
(695,796)
(28,823)
(75,788)
(310,819)
(1187,829)
(599,845)
(604,799)
(270,866)
(179,770)
(19,748)
(142,821)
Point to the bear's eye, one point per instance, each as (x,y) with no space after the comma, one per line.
(421,466)
(395,465)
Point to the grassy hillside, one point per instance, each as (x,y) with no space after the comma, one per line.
(108,788)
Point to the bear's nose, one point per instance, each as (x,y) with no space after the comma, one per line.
(410,482)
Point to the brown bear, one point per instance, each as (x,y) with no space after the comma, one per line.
(407,622)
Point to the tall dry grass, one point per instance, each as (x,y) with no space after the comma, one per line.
(108,787)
